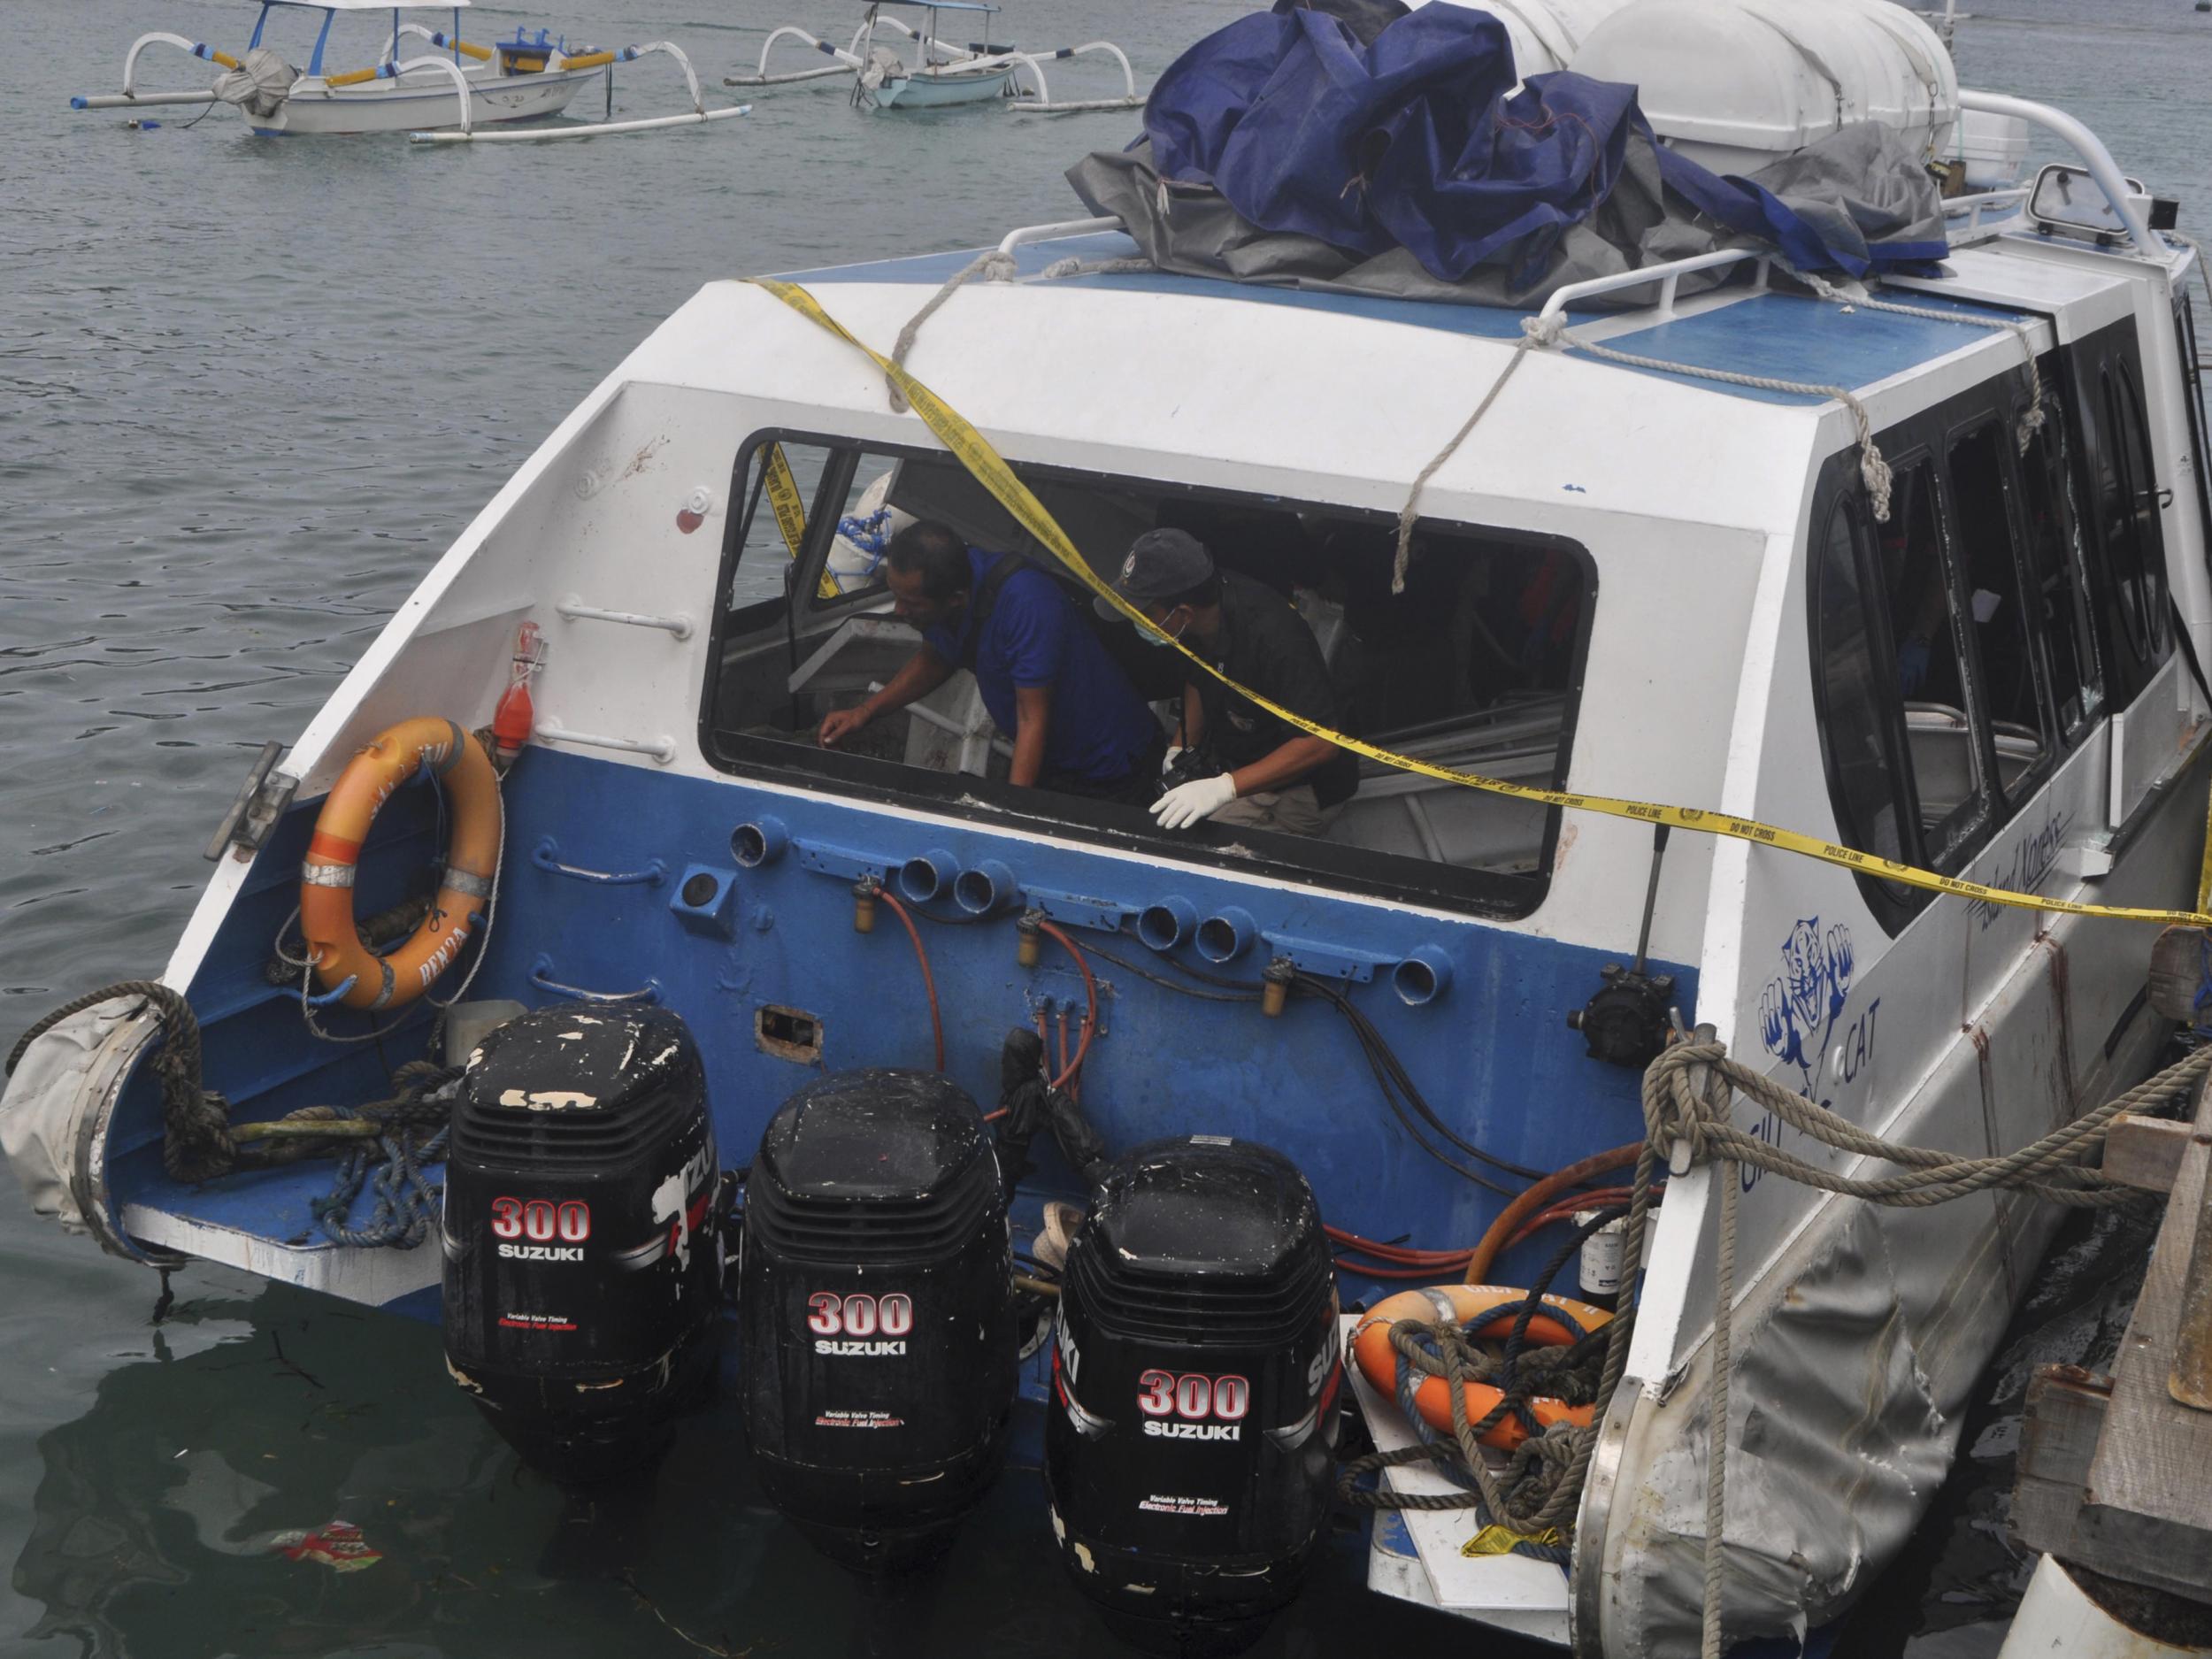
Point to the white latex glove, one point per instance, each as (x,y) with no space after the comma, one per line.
(1187,802)
(1167,761)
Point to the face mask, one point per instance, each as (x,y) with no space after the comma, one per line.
(1154,636)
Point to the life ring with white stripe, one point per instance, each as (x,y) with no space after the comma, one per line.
(459,761)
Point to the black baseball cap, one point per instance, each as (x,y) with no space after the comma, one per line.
(1161,564)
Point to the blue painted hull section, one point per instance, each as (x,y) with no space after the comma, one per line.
(1493,1053)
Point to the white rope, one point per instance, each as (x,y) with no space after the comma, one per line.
(1072,266)
(2031,417)
(993,266)
(1873,470)
(1410,511)
(1542,331)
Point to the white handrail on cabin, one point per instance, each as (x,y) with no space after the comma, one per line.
(1668,276)
(2085,144)
(575,610)
(1049,233)
(663,749)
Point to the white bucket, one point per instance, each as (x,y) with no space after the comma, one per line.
(1734,84)
(1994,149)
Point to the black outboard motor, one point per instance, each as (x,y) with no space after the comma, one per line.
(1190,1449)
(583,1247)
(878,1309)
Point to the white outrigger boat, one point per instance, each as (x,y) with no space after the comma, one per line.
(449,92)
(1915,565)
(943,74)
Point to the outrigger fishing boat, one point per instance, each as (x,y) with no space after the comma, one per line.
(452,91)
(942,73)
(1867,528)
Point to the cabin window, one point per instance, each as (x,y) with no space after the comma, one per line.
(2127,511)
(787,487)
(1858,717)
(1924,625)
(2193,396)
(1476,665)
(2057,577)
(1997,618)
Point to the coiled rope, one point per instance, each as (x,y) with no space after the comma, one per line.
(196,1143)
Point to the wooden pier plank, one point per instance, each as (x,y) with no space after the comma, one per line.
(2146,1515)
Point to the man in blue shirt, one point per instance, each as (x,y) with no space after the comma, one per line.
(1077,725)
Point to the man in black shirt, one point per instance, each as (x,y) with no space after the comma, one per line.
(1265,772)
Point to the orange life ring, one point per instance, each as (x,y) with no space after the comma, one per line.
(471,860)
(1467,1305)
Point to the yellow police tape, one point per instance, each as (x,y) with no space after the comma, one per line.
(790,507)
(990,470)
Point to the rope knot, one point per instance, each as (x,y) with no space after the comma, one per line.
(1544,330)
(1674,1111)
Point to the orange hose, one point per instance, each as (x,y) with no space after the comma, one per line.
(929,979)
(1510,1219)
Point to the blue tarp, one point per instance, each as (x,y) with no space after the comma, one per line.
(1418,139)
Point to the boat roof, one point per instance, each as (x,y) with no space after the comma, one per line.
(1760,334)
(938,6)
(1342,397)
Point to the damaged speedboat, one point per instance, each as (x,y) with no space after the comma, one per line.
(1650,447)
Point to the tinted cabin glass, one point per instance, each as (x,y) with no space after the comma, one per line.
(1990,572)
(1946,766)
(2128,514)
(1476,664)
(2193,396)
(1857,719)
(2056,602)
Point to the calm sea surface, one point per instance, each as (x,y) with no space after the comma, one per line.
(248,390)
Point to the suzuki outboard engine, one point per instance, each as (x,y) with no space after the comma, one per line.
(878,1309)
(583,1248)
(1190,1445)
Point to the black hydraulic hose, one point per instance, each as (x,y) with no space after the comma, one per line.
(1384,1058)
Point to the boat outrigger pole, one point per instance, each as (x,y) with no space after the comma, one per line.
(976,72)
(700,114)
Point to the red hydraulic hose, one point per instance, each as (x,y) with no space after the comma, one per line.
(929,979)
(1568,1208)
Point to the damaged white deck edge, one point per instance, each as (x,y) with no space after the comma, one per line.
(371,1277)
(1507,1593)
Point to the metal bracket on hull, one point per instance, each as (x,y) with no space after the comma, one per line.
(261,802)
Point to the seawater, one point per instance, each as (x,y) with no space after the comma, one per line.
(248,390)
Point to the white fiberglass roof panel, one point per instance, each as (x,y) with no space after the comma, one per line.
(1321,405)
